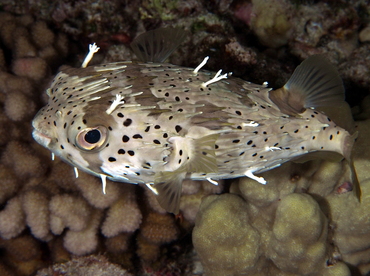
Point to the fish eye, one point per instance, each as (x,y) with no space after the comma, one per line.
(91,138)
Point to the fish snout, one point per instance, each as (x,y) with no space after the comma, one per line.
(41,138)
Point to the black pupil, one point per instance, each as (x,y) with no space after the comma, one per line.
(92,136)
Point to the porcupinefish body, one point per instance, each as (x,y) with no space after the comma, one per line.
(158,123)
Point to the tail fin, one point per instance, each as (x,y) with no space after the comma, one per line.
(347,152)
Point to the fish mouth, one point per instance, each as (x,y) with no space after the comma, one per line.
(41,138)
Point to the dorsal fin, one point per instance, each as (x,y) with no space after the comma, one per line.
(157,45)
(315,82)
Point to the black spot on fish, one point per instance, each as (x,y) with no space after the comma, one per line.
(84,121)
(55,123)
(254,154)
(157,126)
(65,125)
(131,152)
(240,154)
(177,98)
(110,128)
(281,127)
(120,115)
(296,131)
(147,129)
(61,146)
(331,137)
(165,135)
(249,142)
(236,141)
(156,142)
(216,146)
(127,122)
(121,151)
(302,148)
(179,161)
(178,128)
(125,138)
(137,136)
(313,137)
(238,112)
(112,159)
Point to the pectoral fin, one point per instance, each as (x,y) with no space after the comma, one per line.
(204,158)
(169,187)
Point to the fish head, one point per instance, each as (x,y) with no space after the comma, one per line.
(91,126)
(71,138)
(72,125)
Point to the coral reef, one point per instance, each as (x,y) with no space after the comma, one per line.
(85,266)
(45,209)
(305,221)
(48,215)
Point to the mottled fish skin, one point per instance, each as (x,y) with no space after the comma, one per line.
(167,125)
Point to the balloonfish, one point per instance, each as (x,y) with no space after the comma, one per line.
(157,123)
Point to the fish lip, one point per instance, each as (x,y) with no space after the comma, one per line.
(41,138)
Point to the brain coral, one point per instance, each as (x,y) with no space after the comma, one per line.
(305,221)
